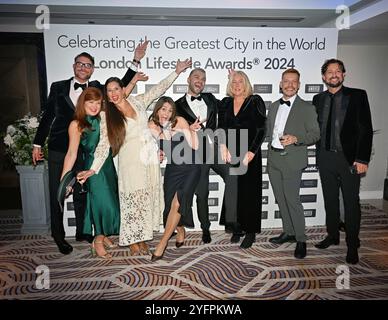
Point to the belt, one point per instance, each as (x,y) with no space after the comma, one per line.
(277,149)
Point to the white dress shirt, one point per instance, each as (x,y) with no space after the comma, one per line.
(199,108)
(74,94)
(280,122)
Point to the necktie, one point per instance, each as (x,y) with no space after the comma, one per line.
(199,98)
(285,102)
(78,85)
(330,126)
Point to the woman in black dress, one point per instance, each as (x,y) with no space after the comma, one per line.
(181,176)
(243,110)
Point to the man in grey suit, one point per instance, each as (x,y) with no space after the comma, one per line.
(292,126)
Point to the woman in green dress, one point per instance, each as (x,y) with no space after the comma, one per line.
(102,214)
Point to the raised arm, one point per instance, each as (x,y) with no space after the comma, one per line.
(158,90)
(72,150)
(139,54)
(139,76)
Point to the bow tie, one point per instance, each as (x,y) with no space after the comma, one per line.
(78,85)
(285,102)
(199,98)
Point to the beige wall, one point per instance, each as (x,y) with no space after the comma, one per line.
(367,68)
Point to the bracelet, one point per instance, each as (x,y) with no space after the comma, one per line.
(137,61)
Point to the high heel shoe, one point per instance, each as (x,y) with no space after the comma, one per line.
(108,244)
(94,251)
(154,257)
(180,244)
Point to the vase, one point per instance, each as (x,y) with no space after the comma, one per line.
(34,189)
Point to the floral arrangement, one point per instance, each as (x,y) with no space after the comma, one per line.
(19,138)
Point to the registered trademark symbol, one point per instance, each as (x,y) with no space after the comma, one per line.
(256,61)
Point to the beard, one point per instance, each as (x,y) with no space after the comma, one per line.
(334,85)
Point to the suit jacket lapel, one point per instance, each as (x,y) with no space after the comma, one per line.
(209,108)
(188,110)
(66,93)
(272,119)
(292,114)
(344,105)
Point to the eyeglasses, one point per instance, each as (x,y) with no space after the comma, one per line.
(81,64)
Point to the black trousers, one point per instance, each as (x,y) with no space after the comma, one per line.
(55,166)
(335,173)
(202,190)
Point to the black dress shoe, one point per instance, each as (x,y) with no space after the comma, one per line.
(352,256)
(300,250)
(282,238)
(84,237)
(341,226)
(228,229)
(249,239)
(327,242)
(206,238)
(63,246)
(235,238)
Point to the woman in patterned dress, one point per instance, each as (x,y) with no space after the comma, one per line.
(124,128)
(102,213)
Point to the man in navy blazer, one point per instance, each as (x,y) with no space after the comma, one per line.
(343,153)
(57,115)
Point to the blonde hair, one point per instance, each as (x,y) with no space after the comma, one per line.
(248,90)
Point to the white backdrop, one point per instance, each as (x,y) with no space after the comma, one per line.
(263,53)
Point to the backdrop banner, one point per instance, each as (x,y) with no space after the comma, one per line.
(262,53)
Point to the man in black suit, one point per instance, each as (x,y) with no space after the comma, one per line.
(200,111)
(343,153)
(57,115)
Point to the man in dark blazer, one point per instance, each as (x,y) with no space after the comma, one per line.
(292,126)
(200,111)
(343,153)
(57,115)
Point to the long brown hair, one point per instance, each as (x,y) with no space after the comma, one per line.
(89,94)
(115,120)
(159,104)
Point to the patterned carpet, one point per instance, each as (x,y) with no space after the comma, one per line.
(217,271)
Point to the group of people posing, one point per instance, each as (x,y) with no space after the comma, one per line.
(88,124)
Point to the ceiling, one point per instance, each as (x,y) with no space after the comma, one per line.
(368,19)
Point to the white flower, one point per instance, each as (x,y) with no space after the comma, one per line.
(8,141)
(33,123)
(19,137)
(11,130)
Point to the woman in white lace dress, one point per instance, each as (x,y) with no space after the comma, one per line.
(124,129)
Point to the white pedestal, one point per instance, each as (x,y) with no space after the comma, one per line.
(34,189)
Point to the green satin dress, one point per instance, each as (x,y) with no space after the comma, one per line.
(102,201)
